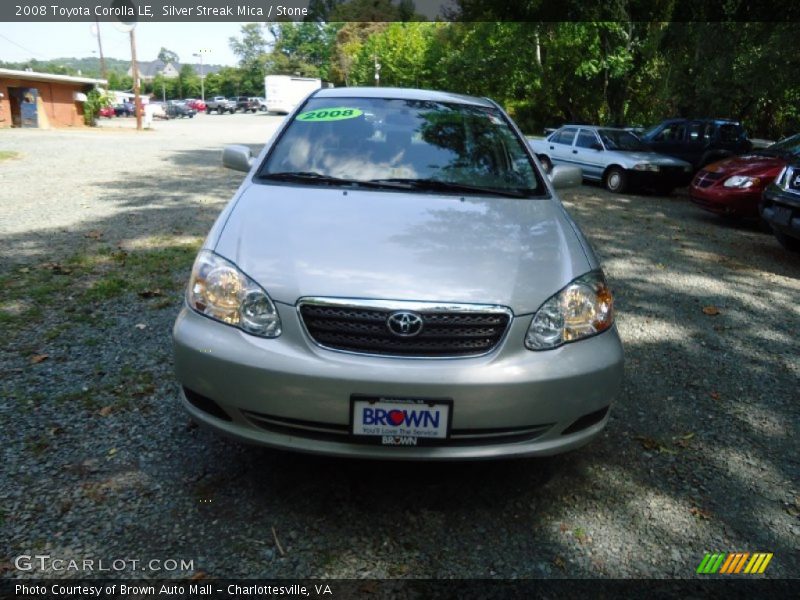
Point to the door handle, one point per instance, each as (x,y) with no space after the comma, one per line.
(574,151)
(552,148)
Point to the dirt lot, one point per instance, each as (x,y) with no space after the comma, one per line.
(99,230)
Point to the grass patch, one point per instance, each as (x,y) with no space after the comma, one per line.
(107,288)
(152,273)
(9,155)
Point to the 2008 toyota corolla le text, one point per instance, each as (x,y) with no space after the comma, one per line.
(396,278)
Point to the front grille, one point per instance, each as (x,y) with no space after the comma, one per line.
(705,179)
(447,331)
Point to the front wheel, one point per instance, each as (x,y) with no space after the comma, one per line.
(616,180)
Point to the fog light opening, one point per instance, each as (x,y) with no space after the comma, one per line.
(207,405)
(586,421)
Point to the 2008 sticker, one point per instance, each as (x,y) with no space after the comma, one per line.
(329,114)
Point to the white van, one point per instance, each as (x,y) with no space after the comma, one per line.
(284,92)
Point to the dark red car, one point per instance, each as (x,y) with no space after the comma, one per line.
(106,111)
(734,186)
(196,104)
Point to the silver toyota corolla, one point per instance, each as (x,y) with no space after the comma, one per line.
(396,278)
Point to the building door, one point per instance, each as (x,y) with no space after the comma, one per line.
(23,107)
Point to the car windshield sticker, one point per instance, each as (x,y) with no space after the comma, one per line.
(329,114)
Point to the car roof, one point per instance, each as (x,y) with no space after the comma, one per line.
(401,94)
(593,127)
(712,119)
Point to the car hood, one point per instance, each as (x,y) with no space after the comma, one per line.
(298,241)
(748,164)
(651,157)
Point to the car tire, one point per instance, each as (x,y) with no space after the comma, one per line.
(208,111)
(616,181)
(547,164)
(789,243)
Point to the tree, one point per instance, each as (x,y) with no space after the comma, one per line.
(188,82)
(167,56)
(252,45)
(251,50)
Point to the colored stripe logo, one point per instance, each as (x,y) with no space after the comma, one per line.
(734,563)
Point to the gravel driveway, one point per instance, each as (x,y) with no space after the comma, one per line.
(99,229)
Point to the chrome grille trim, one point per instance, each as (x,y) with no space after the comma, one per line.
(368,323)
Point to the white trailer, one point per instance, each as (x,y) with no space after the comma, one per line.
(284,92)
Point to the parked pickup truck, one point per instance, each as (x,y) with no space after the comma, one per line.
(220,104)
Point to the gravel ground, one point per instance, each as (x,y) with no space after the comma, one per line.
(99,229)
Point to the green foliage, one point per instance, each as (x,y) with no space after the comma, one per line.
(91,107)
(251,49)
(120,82)
(167,56)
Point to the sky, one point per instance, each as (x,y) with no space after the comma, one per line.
(42,41)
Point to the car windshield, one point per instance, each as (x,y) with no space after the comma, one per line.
(420,144)
(787,146)
(617,139)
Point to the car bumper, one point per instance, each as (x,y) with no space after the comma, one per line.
(659,179)
(292,394)
(781,210)
(727,201)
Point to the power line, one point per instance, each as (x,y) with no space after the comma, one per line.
(22,47)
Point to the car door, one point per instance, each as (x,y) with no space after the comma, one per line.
(588,154)
(669,139)
(560,146)
(698,138)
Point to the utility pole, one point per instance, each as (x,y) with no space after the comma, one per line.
(100,47)
(202,73)
(137,101)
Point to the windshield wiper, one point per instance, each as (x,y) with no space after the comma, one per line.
(449,186)
(313,177)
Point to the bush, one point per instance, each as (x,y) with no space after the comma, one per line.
(91,107)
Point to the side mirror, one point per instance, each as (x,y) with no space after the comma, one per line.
(237,158)
(563,177)
(596,146)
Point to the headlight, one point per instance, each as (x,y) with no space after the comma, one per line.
(740,181)
(582,309)
(219,290)
(645,167)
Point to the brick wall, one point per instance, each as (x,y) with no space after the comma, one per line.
(56,98)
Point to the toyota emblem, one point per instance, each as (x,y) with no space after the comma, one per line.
(404,323)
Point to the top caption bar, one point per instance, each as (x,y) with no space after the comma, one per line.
(143,11)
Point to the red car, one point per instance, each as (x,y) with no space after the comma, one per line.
(734,186)
(107,112)
(198,105)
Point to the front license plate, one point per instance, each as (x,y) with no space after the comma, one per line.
(400,421)
(782,215)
